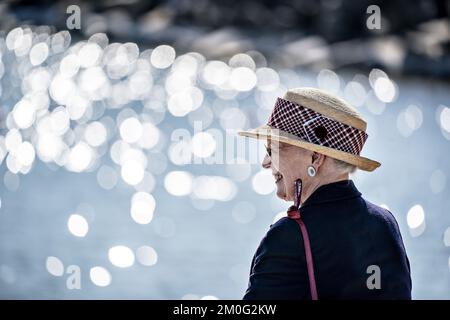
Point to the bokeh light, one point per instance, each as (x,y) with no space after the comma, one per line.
(121,256)
(54,266)
(328,80)
(107,177)
(38,53)
(131,130)
(416,220)
(267,79)
(162,56)
(263,182)
(242,79)
(203,144)
(80,157)
(447,237)
(78,225)
(100,276)
(214,188)
(146,256)
(132,172)
(444,119)
(178,183)
(95,134)
(142,207)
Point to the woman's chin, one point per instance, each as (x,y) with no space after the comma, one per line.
(282,195)
(281,190)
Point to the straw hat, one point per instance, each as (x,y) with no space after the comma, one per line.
(318,121)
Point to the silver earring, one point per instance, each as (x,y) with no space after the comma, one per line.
(311,171)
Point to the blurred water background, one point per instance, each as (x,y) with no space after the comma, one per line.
(99,129)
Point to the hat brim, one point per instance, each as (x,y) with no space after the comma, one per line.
(265,131)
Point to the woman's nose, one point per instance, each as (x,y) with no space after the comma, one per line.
(266,162)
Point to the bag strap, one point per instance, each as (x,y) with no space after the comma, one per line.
(294,213)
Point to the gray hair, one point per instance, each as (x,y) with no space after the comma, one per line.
(344,166)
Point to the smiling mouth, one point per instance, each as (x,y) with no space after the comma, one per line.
(278,177)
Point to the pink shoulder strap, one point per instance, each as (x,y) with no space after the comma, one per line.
(294,213)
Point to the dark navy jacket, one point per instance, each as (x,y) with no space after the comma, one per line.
(348,234)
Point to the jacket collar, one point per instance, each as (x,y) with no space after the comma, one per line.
(339,190)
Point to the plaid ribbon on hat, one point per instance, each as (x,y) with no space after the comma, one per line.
(314,127)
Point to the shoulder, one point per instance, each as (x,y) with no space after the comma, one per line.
(380,214)
(383,222)
(283,236)
(278,268)
(282,228)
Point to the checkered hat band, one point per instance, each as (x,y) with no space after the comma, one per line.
(315,128)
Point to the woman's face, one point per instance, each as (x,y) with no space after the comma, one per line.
(287,163)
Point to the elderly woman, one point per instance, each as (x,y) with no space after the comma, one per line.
(333,244)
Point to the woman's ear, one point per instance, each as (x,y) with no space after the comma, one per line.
(317,159)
